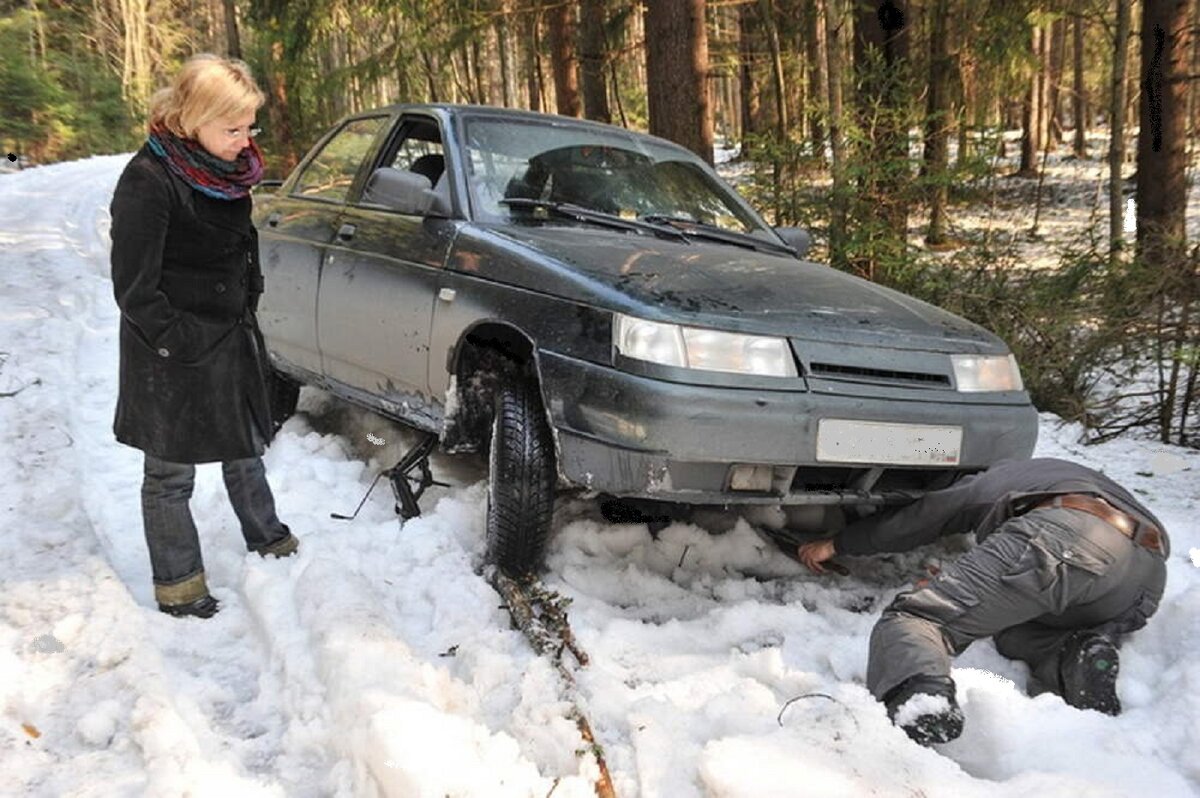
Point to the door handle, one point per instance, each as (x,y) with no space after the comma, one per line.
(273,219)
(346,232)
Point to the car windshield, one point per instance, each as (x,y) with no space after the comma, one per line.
(610,171)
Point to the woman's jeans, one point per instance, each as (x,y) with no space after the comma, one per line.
(175,558)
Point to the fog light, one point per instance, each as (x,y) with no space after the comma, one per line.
(750,477)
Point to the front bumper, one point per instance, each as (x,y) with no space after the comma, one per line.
(636,436)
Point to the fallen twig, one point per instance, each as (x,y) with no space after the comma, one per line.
(541,615)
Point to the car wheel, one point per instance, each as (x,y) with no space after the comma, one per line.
(284,393)
(521,478)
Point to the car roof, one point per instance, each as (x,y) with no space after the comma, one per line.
(453,110)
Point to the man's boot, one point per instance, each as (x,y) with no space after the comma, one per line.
(1088,669)
(925,707)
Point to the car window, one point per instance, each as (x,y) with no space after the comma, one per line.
(605,170)
(420,155)
(331,172)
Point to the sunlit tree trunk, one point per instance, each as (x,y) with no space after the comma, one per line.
(1031,110)
(1055,55)
(560,19)
(503,49)
(766,11)
(677,74)
(814,45)
(1079,93)
(835,21)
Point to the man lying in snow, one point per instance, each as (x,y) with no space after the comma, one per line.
(1066,562)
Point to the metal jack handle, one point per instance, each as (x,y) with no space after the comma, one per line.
(406,487)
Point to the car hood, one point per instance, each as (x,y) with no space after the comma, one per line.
(711,284)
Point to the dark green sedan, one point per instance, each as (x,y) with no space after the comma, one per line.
(597,310)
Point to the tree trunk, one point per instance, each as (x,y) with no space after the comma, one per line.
(1056,56)
(1031,114)
(766,10)
(279,110)
(881,72)
(431,71)
(1162,161)
(835,19)
(814,41)
(746,73)
(560,19)
(233,42)
(938,113)
(1195,82)
(970,112)
(507,98)
(593,50)
(479,68)
(1162,142)
(1116,121)
(533,57)
(677,74)
(789,19)
(1079,93)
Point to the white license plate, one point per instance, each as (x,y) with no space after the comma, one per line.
(843,441)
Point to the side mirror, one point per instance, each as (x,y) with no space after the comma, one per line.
(795,237)
(405,192)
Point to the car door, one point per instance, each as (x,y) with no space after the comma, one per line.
(295,230)
(380,283)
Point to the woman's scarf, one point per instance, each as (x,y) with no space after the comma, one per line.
(208,174)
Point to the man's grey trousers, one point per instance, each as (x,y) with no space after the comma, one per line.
(1030,584)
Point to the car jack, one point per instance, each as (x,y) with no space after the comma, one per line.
(407,487)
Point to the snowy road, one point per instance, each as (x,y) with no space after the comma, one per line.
(378,662)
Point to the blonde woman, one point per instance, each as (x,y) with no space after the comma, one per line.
(186,277)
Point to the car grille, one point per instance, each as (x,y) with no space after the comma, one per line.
(834,371)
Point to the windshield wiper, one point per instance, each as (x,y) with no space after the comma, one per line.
(690,227)
(582,214)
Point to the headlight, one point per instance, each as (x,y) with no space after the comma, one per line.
(697,348)
(986,373)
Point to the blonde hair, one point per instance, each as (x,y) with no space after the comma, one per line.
(207,87)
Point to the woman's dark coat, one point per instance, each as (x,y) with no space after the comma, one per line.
(186,277)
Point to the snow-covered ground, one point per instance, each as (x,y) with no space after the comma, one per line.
(378,662)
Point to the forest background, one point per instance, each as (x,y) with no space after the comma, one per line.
(907,135)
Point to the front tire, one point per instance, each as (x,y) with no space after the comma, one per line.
(521,479)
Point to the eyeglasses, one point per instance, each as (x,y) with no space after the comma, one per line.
(232,133)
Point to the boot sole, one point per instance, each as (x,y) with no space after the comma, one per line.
(1097,666)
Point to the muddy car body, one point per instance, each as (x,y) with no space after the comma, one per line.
(619,320)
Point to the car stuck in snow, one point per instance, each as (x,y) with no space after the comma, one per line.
(596,309)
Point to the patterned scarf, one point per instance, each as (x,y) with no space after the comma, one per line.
(216,177)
